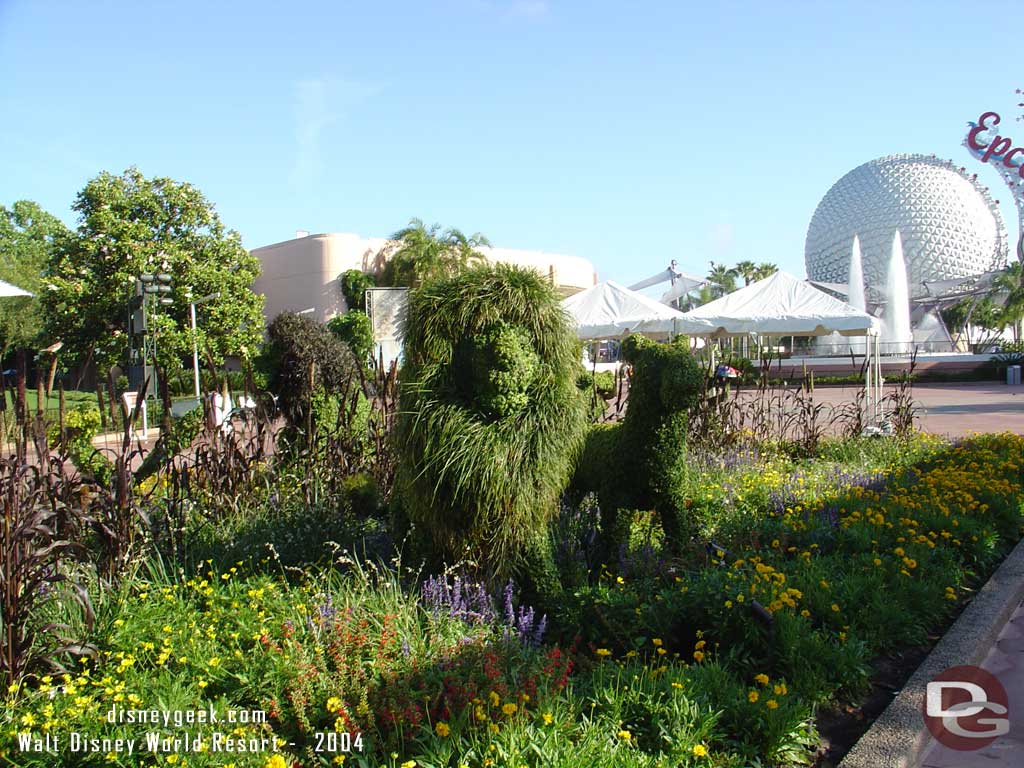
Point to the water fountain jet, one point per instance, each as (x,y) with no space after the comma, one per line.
(897,336)
(855,289)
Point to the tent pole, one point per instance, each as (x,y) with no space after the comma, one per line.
(878,379)
(868,394)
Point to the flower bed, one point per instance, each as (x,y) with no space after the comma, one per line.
(715,659)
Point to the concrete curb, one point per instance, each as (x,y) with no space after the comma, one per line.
(898,735)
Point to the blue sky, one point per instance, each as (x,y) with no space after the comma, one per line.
(626,133)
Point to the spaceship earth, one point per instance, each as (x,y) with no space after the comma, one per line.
(950,226)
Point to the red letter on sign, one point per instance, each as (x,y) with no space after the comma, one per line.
(1009,157)
(981,129)
(997,147)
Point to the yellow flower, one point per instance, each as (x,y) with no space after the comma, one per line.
(625,735)
(173,758)
(509,709)
(752,697)
(338,760)
(835,607)
(215,661)
(657,642)
(700,644)
(772,704)
(603,652)
(276,761)
(442,729)
(409,764)
(548,718)
(728,603)
(762,679)
(698,656)
(333,704)
(495,698)
(28,719)
(780,689)
(699,750)
(662,651)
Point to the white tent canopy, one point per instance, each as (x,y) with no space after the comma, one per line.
(609,311)
(783,305)
(779,305)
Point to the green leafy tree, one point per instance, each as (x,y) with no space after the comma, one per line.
(355,330)
(490,419)
(130,225)
(354,285)
(418,254)
(28,236)
(765,269)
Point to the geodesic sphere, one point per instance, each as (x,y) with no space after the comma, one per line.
(949,224)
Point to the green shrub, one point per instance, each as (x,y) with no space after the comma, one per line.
(354,285)
(355,330)
(597,389)
(81,424)
(362,494)
(603,381)
(296,348)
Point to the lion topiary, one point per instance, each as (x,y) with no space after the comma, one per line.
(490,420)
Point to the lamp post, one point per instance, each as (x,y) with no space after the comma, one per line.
(156,287)
(195,342)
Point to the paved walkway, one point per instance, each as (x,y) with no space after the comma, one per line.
(1005,660)
(953,409)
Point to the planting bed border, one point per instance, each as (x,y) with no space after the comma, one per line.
(898,736)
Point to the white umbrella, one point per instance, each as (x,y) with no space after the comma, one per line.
(6,289)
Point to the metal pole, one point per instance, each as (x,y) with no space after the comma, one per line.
(195,350)
(145,358)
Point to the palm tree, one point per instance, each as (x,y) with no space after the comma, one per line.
(418,254)
(1008,291)
(722,279)
(765,269)
(747,270)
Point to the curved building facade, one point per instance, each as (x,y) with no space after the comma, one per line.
(949,224)
(301,275)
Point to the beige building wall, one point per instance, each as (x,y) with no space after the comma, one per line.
(301,275)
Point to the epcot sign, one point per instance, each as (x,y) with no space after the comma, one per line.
(998,149)
(987,145)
